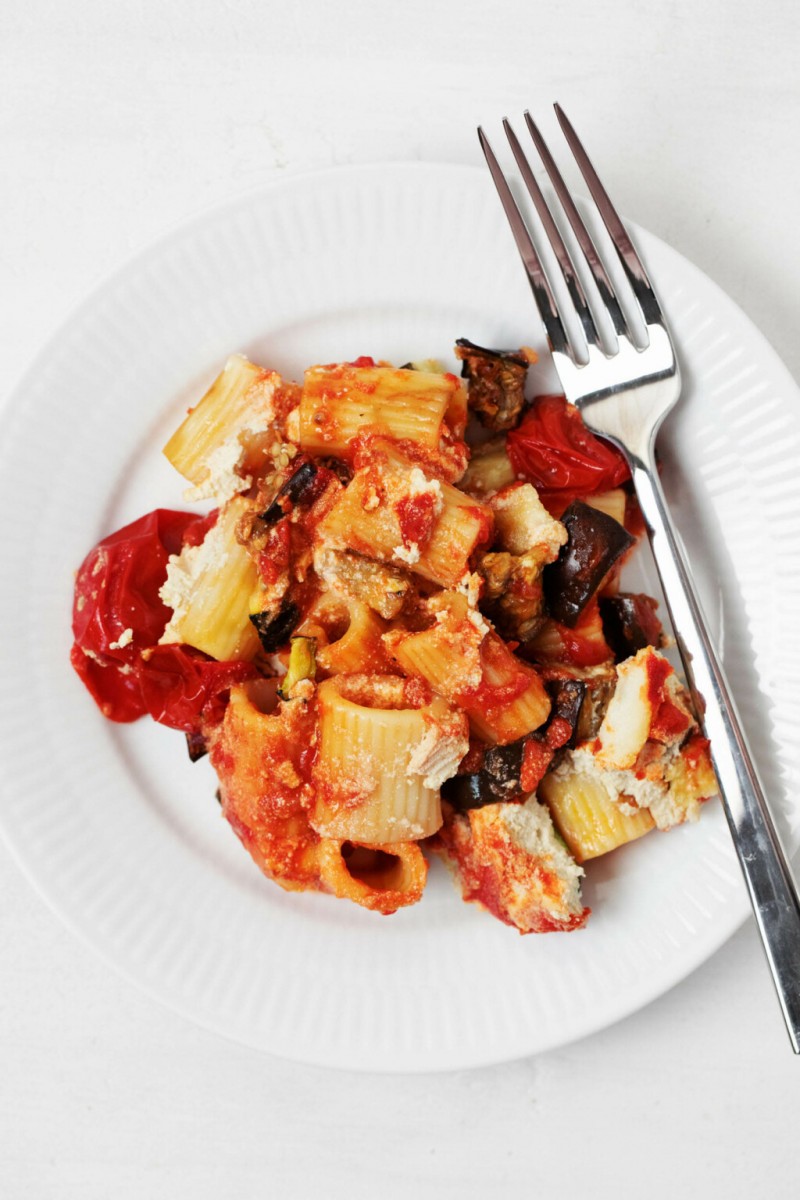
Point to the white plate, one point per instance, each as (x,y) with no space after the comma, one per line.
(123,836)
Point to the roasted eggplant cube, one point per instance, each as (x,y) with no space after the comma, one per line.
(594,544)
(275,628)
(496,384)
(499,778)
(630,623)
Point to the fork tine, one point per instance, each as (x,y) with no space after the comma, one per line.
(542,294)
(633,265)
(573,283)
(582,235)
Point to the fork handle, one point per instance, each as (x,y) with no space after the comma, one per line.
(772,890)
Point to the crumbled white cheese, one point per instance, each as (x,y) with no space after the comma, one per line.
(183,571)
(421,485)
(437,755)
(531,827)
(626,724)
(124,639)
(407,554)
(667,812)
(477,619)
(223,480)
(624,787)
(470,585)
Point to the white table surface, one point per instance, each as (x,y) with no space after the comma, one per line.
(118,121)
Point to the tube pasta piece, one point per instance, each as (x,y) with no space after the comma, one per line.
(349,636)
(392,511)
(262,760)
(587,818)
(464,660)
(380,762)
(211,445)
(212,589)
(382,878)
(339,402)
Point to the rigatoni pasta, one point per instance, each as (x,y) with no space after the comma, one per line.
(366,638)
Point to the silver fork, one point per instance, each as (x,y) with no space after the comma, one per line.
(624,396)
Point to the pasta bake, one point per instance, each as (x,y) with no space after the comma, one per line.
(397,629)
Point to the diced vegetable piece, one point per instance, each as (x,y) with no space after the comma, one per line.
(299,486)
(467,791)
(196,746)
(614,503)
(630,623)
(274,628)
(496,383)
(302,664)
(489,469)
(595,543)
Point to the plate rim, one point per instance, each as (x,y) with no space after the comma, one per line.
(737,910)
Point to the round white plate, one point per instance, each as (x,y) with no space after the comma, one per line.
(123,836)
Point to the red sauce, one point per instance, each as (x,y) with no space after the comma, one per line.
(416,516)
(515,678)
(536,758)
(669,721)
(275,557)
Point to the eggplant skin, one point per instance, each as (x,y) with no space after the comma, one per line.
(196,746)
(496,384)
(500,776)
(594,544)
(567,696)
(275,628)
(290,493)
(630,623)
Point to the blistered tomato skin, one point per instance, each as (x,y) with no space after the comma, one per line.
(552,449)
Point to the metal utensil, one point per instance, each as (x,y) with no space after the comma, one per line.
(624,395)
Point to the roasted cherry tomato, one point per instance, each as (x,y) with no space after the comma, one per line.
(118,617)
(552,449)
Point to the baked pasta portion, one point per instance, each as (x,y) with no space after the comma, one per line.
(398,629)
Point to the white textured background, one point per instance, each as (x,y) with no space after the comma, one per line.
(116,122)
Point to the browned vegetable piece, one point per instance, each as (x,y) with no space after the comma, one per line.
(496,383)
(598,684)
(513,597)
(501,775)
(291,492)
(382,587)
(594,544)
(630,623)
(274,628)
